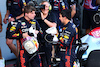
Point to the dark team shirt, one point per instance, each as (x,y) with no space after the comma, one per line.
(68,35)
(51,17)
(15,7)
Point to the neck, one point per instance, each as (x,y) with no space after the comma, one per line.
(27,18)
(45,15)
(66,21)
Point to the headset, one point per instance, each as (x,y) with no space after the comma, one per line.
(50,7)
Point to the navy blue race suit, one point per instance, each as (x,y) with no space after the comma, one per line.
(15,9)
(23,27)
(67,37)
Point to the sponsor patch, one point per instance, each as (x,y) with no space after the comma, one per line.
(66,37)
(32,22)
(64,28)
(15,35)
(12,28)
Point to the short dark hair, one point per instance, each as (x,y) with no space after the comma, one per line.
(28,9)
(66,13)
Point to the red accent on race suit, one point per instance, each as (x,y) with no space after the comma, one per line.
(40,61)
(61,45)
(95,32)
(66,49)
(59,5)
(49,65)
(22,59)
(76,36)
(67,64)
(71,46)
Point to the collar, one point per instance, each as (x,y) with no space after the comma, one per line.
(66,24)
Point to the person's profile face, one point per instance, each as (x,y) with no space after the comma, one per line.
(31,15)
(61,18)
(46,10)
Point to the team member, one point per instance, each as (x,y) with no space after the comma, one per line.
(47,20)
(58,5)
(67,38)
(23,26)
(14,12)
(0,22)
(90,8)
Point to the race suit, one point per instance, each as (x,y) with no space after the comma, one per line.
(67,37)
(22,26)
(15,8)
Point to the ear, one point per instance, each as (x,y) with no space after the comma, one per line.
(64,18)
(26,14)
